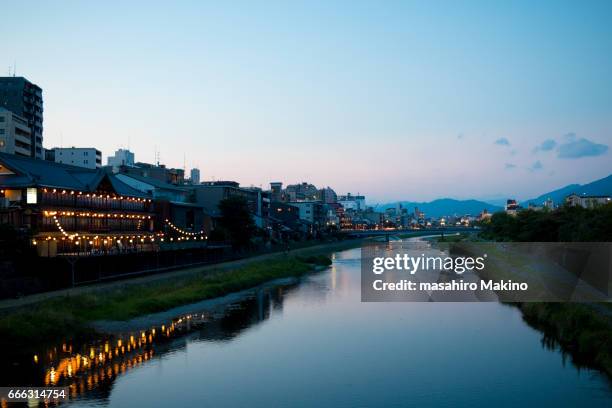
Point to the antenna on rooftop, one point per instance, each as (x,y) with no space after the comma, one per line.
(14,67)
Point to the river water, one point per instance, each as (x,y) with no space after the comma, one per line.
(312,343)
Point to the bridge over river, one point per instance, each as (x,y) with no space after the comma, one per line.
(406,233)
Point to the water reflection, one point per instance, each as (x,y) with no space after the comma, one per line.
(89,369)
(352,353)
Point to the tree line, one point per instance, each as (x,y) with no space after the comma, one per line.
(565,224)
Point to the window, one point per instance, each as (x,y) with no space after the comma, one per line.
(2,119)
(31,196)
(1,131)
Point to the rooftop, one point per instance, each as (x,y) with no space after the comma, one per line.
(22,172)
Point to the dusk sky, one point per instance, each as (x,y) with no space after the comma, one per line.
(395,100)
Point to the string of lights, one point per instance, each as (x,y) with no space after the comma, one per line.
(105,239)
(59,226)
(94,195)
(109,239)
(182,231)
(96,215)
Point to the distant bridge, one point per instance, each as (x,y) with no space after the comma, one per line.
(406,233)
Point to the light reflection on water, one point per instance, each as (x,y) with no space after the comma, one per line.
(314,344)
(90,369)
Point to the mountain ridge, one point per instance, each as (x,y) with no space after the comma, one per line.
(602,186)
(444,207)
(450,206)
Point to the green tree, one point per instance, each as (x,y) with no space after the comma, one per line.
(236,222)
(565,224)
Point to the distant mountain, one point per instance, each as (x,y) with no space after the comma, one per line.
(445,206)
(448,206)
(599,187)
(498,201)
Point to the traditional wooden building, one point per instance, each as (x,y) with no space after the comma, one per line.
(67,208)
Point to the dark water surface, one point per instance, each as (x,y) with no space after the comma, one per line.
(314,344)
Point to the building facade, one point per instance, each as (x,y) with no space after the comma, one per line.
(276,191)
(312,212)
(328,195)
(512,207)
(87,157)
(352,202)
(301,192)
(175,208)
(24,98)
(71,209)
(194,176)
(210,193)
(122,157)
(585,201)
(15,135)
(156,171)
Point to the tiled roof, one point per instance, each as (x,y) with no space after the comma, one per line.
(43,173)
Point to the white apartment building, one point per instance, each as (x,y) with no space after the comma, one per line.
(88,157)
(195,176)
(311,211)
(122,157)
(586,201)
(15,135)
(352,202)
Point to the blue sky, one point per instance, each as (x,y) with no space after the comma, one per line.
(396,100)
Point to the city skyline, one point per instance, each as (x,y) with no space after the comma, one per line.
(396,101)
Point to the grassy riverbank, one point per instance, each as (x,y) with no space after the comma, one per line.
(61,317)
(584,331)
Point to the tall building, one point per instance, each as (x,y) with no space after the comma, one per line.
(14,134)
(328,195)
(87,157)
(276,191)
(195,176)
(24,98)
(122,157)
(301,192)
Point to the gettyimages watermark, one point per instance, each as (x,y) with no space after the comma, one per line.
(422,271)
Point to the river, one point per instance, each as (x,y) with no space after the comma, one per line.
(312,343)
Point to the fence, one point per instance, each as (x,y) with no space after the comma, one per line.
(33,274)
